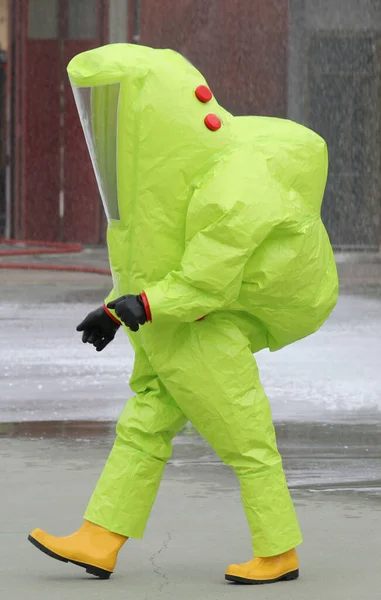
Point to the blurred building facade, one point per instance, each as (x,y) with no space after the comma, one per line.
(334,87)
(3,105)
(316,61)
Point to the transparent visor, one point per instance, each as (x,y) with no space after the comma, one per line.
(98,110)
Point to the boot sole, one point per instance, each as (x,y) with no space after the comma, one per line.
(287,577)
(101,573)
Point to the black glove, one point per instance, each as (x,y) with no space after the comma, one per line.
(98,329)
(130,309)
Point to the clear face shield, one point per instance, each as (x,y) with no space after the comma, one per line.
(98,111)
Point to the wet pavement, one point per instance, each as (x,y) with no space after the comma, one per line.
(47,373)
(197,527)
(317,456)
(325,391)
(58,404)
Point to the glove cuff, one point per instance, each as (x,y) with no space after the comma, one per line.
(147,307)
(109,314)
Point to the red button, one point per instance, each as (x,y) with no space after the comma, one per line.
(203,93)
(212,122)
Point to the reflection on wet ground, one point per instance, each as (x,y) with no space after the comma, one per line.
(317,456)
(48,374)
(324,392)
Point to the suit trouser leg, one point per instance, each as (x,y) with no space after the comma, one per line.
(127,488)
(209,370)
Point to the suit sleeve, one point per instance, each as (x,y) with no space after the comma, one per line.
(232,211)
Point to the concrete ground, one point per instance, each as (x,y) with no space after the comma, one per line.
(197,527)
(359,272)
(327,407)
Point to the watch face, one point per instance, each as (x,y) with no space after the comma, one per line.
(98,111)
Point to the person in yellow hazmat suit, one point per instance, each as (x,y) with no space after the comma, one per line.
(217,250)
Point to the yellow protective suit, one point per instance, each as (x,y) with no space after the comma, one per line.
(212,216)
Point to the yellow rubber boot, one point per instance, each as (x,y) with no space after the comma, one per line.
(283,567)
(92,547)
